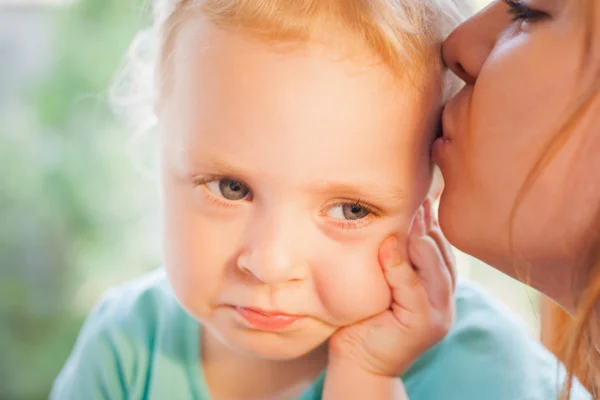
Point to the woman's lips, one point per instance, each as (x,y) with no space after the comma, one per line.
(442,137)
(267,320)
(440,129)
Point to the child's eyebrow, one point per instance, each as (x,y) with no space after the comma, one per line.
(357,189)
(366,190)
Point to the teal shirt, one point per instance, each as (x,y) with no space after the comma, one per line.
(138,343)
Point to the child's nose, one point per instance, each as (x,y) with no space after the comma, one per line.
(273,252)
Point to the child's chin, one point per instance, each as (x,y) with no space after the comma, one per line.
(273,346)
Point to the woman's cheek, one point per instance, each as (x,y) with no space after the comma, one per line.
(352,287)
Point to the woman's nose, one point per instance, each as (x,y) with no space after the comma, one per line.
(468,46)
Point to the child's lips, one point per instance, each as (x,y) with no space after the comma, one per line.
(267,320)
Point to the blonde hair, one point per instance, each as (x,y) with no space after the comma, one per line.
(404,34)
(579,338)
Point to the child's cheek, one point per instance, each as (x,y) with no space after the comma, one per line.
(194,254)
(351,285)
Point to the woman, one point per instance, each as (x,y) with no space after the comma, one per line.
(521,151)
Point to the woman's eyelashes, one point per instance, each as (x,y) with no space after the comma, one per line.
(521,12)
(345,214)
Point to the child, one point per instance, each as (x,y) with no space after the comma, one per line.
(294,139)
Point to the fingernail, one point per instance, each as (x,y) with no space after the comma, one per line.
(427,203)
(393,258)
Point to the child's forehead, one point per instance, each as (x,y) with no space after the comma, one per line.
(208,58)
(200,42)
(300,113)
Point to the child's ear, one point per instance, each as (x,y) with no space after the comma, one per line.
(437,185)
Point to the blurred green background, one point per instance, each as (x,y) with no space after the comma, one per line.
(75,214)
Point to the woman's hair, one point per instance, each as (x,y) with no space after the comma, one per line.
(555,324)
(577,345)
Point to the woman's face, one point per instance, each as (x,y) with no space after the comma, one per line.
(524,64)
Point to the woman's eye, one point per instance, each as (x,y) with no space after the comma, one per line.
(229,189)
(349,211)
(521,12)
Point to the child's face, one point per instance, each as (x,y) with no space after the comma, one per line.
(282,173)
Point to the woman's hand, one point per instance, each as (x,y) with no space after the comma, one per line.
(378,350)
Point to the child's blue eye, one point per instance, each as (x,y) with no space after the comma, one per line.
(229,189)
(348,211)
